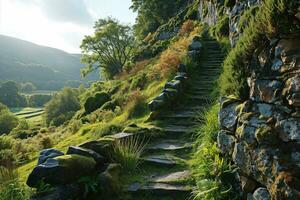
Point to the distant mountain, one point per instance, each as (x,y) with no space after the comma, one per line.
(48,68)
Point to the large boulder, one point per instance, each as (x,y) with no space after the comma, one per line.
(99,159)
(103,147)
(48,153)
(195,45)
(61,170)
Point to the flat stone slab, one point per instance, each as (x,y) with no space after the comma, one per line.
(176,129)
(162,160)
(159,188)
(169,178)
(170,145)
(185,114)
(122,135)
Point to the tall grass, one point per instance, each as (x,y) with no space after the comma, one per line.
(208,166)
(10,187)
(128,152)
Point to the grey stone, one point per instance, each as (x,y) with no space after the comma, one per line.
(225,142)
(87,152)
(296,158)
(277,65)
(228,117)
(261,194)
(265,90)
(195,45)
(247,133)
(182,68)
(172,177)
(169,145)
(289,130)
(162,160)
(155,105)
(242,158)
(61,170)
(48,153)
(265,110)
(292,91)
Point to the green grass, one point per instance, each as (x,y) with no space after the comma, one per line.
(128,152)
(208,167)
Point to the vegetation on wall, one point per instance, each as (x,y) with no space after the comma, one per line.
(270,20)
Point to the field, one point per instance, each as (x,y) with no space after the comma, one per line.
(34,116)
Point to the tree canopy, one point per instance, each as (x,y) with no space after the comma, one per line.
(153,13)
(109,48)
(9,95)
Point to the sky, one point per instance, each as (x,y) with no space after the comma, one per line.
(60,24)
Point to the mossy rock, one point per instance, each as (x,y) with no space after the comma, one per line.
(62,170)
(102,146)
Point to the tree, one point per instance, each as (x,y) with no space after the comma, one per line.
(9,95)
(109,48)
(153,13)
(28,87)
(62,107)
(7,120)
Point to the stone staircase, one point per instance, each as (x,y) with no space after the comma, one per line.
(165,172)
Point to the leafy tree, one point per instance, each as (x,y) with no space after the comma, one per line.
(109,48)
(7,120)
(153,13)
(62,107)
(9,95)
(28,87)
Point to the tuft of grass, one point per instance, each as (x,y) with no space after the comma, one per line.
(211,172)
(128,152)
(10,187)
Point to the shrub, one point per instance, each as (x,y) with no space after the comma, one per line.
(186,28)
(7,120)
(127,152)
(95,102)
(62,107)
(10,186)
(39,100)
(137,105)
(46,142)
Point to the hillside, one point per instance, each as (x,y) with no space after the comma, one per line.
(46,67)
(201,102)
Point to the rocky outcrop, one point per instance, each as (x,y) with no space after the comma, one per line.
(262,133)
(66,174)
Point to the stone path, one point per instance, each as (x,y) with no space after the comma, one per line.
(165,170)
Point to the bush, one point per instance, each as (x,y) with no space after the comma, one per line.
(39,100)
(137,105)
(62,107)
(95,102)
(10,186)
(186,28)
(7,120)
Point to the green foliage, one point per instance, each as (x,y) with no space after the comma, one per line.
(38,100)
(94,102)
(7,120)
(109,48)
(128,152)
(212,172)
(271,19)
(152,14)
(62,107)
(22,130)
(10,95)
(27,87)
(10,187)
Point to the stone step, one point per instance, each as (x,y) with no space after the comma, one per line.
(171,177)
(160,160)
(169,145)
(164,189)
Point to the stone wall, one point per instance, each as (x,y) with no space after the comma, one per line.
(262,133)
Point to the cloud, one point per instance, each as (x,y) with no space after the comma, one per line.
(72,11)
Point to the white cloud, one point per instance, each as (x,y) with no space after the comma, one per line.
(58,23)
